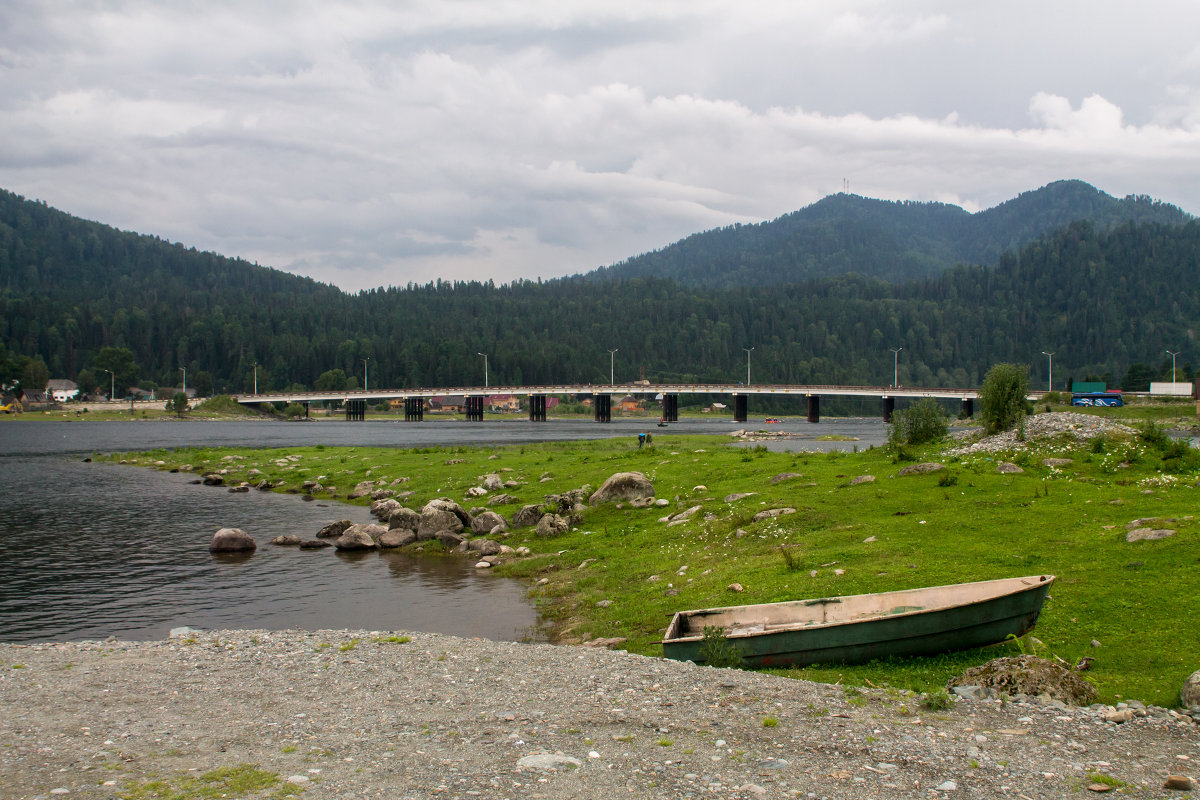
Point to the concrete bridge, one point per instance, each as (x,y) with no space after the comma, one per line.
(475,397)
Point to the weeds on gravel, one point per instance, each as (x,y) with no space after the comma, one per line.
(243,780)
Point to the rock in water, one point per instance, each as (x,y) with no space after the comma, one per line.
(231,540)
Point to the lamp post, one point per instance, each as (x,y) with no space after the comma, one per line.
(485,377)
(1172,354)
(747,349)
(365,386)
(255,377)
(612,360)
(895,365)
(1050,377)
(113,387)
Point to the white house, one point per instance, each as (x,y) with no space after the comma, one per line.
(62,390)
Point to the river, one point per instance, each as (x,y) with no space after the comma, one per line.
(94,549)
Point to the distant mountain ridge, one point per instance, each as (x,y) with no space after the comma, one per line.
(888,240)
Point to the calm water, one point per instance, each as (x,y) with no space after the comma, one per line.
(92,550)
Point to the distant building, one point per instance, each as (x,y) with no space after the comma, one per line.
(62,390)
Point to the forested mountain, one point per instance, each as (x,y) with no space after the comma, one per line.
(73,291)
(892,241)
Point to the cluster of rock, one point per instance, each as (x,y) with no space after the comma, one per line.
(1079,427)
(462,530)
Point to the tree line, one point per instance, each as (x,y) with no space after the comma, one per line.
(106,307)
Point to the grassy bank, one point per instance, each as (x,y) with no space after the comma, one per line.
(968,522)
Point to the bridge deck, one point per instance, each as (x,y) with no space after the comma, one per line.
(623,389)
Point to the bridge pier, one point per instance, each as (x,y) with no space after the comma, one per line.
(414,409)
(356,410)
(739,407)
(602,407)
(670,412)
(814,408)
(889,405)
(968,407)
(306,404)
(537,408)
(475,408)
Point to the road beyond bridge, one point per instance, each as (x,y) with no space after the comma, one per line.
(475,397)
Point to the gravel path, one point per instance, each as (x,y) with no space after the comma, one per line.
(343,714)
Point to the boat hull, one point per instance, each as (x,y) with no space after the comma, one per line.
(977,615)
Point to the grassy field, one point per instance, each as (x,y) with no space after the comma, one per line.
(968,522)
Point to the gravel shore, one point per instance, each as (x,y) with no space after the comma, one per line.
(341,714)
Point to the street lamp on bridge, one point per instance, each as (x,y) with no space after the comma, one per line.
(485,377)
(365,360)
(612,360)
(747,349)
(1050,377)
(255,365)
(184,371)
(895,365)
(1172,354)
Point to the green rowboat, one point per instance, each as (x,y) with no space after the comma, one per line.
(858,628)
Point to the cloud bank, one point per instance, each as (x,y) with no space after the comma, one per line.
(368,144)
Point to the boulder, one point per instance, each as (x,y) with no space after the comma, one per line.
(487,522)
(362,489)
(623,486)
(1189,695)
(1028,674)
(397,537)
(315,544)
(451,506)
(858,480)
(770,513)
(334,529)
(1148,534)
(382,509)
(551,525)
(213,479)
(435,521)
(921,469)
(1008,468)
(231,540)
(288,540)
(785,476)
(404,519)
(493,483)
(527,516)
(733,498)
(502,500)
(383,494)
(449,538)
(359,537)
(485,547)
(1057,462)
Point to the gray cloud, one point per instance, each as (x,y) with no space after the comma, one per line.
(368,143)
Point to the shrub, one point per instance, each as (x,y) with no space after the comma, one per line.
(1002,404)
(924,421)
(716,651)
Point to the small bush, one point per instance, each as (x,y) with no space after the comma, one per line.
(1002,404)
(923,422)
(937,700)
(716,651)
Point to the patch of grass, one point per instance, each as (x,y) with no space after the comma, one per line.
(936,700)
(392,639)
(770,722)
(348,646)
(986,525)
(1107,780)
(242,780)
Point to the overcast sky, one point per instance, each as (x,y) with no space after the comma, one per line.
(368,144)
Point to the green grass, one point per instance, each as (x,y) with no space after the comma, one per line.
(243,780)
(1068,521)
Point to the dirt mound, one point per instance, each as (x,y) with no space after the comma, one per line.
(1028,675)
